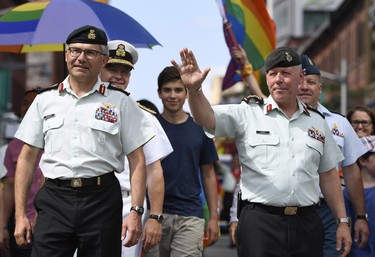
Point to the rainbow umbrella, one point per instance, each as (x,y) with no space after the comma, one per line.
(44,25)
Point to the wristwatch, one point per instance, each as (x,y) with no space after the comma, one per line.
(343,220)
(138,209)
(158,218)
(362,217)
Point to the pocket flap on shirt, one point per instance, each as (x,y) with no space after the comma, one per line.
(256,140)
(108,127)
(315,144)
(52,123)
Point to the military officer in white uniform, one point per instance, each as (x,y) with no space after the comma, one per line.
(122,58)
(286,151)
(351,147)
(86,129)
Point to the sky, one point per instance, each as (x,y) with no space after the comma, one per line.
(195,24)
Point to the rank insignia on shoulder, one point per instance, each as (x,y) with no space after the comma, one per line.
(56,86)
(146,109)
(332,111)
(305,110)
(253,99)
(308,108)
(111,86)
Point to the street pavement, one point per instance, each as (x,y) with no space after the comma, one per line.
(221,248)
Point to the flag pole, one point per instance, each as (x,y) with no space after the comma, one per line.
(229,35)
(231,41)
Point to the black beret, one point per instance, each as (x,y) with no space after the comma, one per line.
(88,35)
(121,52)
(282,57)
(308,66)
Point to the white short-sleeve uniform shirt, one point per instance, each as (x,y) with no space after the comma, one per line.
(84,136)
(155,149)
(281,158)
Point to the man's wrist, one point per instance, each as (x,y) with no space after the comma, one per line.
(247,70)
(199,89)
(158,217)
(343,220)
(362,216)
(138,209)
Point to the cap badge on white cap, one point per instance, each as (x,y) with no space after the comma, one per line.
(120,51)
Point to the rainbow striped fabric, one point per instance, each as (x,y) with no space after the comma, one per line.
(253,29)
(45,24)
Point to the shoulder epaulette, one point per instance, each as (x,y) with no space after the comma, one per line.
(146,109)
(253,99)
(337,113)
(118,89)
(315,110)
(48,88)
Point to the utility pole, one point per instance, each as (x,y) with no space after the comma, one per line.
(343,85)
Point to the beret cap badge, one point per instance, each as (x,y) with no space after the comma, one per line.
(282,57)
(87,35)
(288,57)
(91,34)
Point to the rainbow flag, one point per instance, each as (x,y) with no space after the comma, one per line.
(247,22)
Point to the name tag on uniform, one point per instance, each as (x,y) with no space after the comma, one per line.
(49,116)
(262,132)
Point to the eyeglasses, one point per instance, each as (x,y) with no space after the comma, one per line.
(364,123)
(90,54)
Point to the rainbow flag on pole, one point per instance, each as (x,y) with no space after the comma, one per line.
(247,22)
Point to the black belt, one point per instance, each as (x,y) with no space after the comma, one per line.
(102,180)
(290,210)
(321,202)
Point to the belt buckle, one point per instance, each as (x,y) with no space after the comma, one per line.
(290,210)
(76,182)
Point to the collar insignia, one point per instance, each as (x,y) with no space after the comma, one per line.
(268,108)
(102,89)
(305,110)
(61,87)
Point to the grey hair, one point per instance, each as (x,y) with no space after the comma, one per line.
(104,50)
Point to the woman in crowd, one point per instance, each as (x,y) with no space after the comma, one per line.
(362,120)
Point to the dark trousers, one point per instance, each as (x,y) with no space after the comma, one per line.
(262,234)
(88,218)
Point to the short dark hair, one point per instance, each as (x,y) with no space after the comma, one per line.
(168,74)
(150,105)
(33,90)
